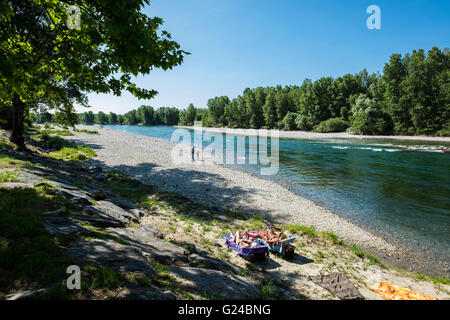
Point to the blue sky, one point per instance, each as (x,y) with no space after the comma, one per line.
(236,44)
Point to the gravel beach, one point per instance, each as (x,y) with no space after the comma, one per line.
(150,160)
(309,135)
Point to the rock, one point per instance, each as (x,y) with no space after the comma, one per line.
(78,197)
(98,195)
(28,177)
(284,294)
(59,225)
(110,254)
(100,177)
(106,209)
(95,169)
(63,184)
(63,209)
(13,185)
(26,295)
(132,291)
(212,263)
(101,222)
(146,239)
(118,201)
(137,213)
(215,283)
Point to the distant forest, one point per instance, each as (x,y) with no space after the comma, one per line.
(411,97)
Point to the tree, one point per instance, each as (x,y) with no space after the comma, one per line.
(112,118)
(394,74)
(189,117)
(288,122)
(216,107)
(270,110)
(130,117)
(368,118)
(281,104)
(46,65)
(146,115)
(101,118)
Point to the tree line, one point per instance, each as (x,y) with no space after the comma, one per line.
(144,115)
(412,96)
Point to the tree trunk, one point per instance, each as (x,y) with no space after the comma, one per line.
(17,128)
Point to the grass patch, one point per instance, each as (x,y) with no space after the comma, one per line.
(163,278)
(31,254)
(129,188)
(268,291)
(100,277)
(8,176)
(333,238)
(75,153)
(56,132)
(308,231)
(9,162)
(436,280)
(363,254)
(5,144)
(87,131)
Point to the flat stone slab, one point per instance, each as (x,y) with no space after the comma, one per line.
(118,201)
(107,209)
(146,239)
(78,197)
(215,283)
(26,295)
(208,262)
(110,254)
(13,185)
(60,225)
(101,222)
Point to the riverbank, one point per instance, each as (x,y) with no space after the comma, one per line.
(308,135)
(135,241)
(149,160)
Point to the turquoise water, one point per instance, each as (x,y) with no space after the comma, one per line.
(380,184)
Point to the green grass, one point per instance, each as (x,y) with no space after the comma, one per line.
(100,277)
(333,238)
(268,291)
(308,231)
(436,280)
(53,142)
(129,188)
(75,153)
(363,254)
(87,131)
(9,162)
(8,176)
(5,144)
(163,278)
(56,132)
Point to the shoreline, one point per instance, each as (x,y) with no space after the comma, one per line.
(147,159)
(309,135)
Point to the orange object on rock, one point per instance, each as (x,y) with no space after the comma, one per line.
(390,292)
